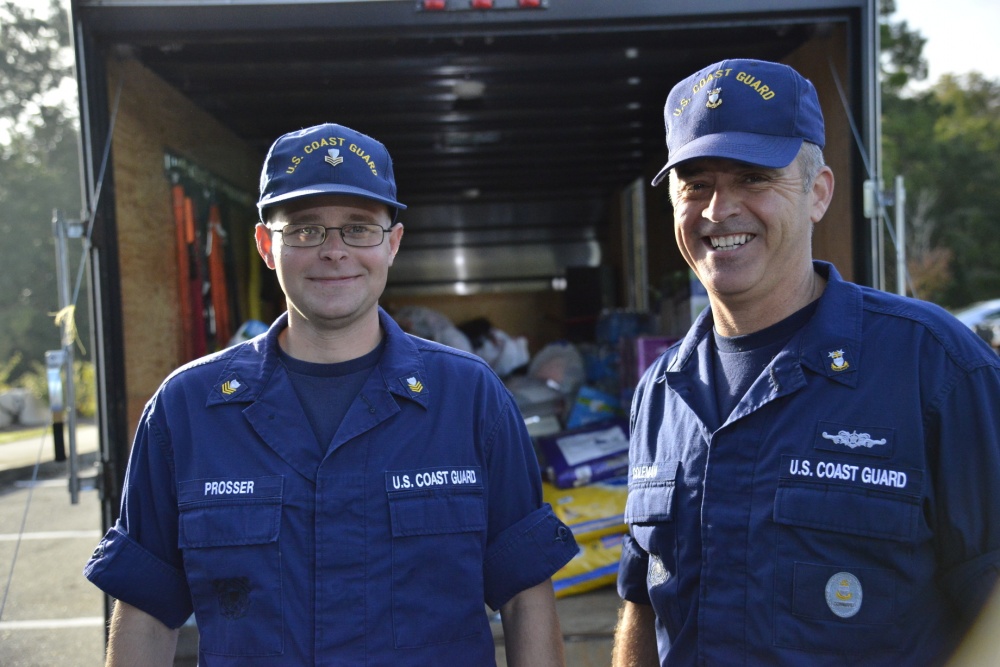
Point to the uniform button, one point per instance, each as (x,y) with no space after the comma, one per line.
(98,552)
(562,533)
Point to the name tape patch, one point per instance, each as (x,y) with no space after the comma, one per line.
(229,487)
(433,478)
(853,474)
(200,490)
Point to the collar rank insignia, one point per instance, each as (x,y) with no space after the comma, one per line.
(333,157)
(413,384)
(232,387)
(839,363)
(714,98)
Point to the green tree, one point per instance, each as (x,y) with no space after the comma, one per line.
(967,136)
(944,140)
(902,51)
(39,172)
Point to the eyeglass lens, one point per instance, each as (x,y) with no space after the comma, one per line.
(362,235)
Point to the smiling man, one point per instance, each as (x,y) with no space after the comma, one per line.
(335,491)
(814,467)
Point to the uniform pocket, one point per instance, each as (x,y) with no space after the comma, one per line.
(652,503)
(649,508)
(844,556)
(650,515)
(437,566)
(228,531)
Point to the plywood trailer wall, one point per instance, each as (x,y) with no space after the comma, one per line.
(153,120)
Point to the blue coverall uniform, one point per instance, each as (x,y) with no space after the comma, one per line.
(845,513)
(378,550)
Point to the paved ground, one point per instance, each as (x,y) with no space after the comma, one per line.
(50,614)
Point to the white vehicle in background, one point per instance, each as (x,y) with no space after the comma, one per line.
(983,317)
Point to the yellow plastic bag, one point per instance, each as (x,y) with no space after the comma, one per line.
(590,511)
(594,566)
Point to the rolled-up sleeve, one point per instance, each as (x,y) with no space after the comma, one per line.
(632,569)
(526,554)
(138,561)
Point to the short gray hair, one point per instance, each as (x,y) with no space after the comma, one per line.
(811,160)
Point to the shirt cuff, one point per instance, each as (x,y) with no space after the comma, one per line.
(126,571)
(525,555)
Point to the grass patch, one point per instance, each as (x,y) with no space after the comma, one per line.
(22,434)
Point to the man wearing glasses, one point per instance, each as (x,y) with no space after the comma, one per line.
(335,491)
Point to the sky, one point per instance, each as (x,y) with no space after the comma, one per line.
(962,35)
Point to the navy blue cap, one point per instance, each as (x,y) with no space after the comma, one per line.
(327,159)
(751,111)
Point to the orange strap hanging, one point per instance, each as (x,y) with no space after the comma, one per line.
(195,286)
(183,272)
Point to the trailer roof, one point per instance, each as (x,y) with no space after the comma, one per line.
(512,104)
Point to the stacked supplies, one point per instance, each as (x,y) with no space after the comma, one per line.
(595,514)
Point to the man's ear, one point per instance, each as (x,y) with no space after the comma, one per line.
(822,193)
(395,236)
(263,236)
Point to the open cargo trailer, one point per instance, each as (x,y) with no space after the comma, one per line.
(524,137)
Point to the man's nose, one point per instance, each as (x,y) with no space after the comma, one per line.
(723,204)
(333,243)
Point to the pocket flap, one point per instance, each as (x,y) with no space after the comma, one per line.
(650,503)
(437,513)
(651,492)
(853,512)
(218,513)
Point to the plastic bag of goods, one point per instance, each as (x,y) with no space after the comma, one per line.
(586,455)
(590,511)
(594,566)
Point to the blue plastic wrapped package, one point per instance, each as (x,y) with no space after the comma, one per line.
(593,406)
(585,455)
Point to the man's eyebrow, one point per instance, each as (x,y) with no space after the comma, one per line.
(359,216)
(688,173)
(302,219)
(312,218)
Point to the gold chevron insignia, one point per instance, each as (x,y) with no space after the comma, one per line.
(230,387)
(415,385)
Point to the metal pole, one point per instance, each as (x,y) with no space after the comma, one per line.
(900,236)
(60,228)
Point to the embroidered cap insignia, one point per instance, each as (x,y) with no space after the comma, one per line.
(333,157)
(714,99)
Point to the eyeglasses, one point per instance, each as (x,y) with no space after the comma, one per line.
(359,235)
